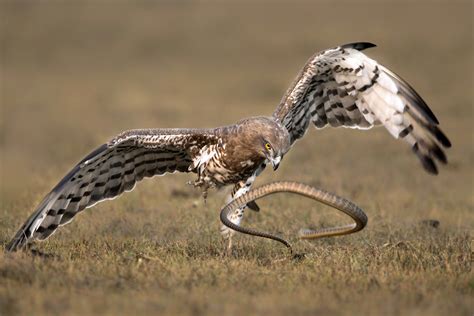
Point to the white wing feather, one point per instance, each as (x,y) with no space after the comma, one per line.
(344,87)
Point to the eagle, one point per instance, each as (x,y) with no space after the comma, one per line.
(337,87)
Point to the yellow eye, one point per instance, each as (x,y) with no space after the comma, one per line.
(268,146)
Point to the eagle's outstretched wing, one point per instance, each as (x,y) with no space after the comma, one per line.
(110,170)
(344,87)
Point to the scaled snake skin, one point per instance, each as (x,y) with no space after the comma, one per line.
(330,199)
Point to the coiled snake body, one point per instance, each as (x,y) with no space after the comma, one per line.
(330,199)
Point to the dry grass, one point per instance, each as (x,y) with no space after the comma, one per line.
(75,74)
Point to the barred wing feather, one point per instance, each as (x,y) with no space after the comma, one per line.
(344,87)
(107,172)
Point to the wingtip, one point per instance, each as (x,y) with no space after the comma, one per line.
(359,45)
(12,246)
(426,161)
(430,166)
(19,241)
(442,138)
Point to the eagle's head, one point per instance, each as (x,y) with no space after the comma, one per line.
(268,138)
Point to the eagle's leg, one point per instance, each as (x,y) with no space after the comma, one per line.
(239,189)
(235,217)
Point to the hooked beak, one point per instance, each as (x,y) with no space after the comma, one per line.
(276,162)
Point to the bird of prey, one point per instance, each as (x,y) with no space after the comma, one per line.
(337,87)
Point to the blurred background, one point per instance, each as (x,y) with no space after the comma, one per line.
(76,73)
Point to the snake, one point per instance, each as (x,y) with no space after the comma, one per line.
(325,197)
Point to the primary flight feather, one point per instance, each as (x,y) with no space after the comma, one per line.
(336,87)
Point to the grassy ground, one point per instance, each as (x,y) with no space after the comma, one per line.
(75,74)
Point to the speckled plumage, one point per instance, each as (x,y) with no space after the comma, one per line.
(337,87)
